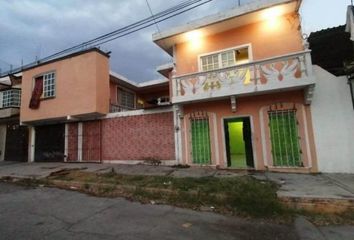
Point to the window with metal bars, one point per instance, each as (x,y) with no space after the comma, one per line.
(11,98)
(200,138)
(284,137)
(126,98)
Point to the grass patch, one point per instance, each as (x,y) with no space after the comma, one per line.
(240,195)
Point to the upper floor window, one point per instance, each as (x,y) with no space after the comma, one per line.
(10,98)
(44,87)
(126,98)
(224,59)
(49,85)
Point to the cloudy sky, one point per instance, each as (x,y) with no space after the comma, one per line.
(30,28)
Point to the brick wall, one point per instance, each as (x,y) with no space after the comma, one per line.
(72,142)
(138,137)
(141,137)
(91,143)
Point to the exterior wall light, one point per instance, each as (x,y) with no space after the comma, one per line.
(271,16)
(194,38)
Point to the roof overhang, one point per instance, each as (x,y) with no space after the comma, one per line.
(125,82)
(165,69)
(5,81)
(249,13)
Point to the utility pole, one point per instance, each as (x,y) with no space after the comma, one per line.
(239,2)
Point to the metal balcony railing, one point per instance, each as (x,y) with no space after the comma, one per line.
(119,108)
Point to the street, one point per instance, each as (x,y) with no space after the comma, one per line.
(48,213)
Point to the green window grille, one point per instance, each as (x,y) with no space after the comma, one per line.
(284,136)
(200,141)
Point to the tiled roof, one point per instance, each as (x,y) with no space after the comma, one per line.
(330,48)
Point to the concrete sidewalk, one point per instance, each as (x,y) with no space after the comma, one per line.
(329,186)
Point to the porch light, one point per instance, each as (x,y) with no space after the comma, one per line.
(194,38)
(271,16)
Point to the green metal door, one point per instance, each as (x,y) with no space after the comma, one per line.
(284,136)
(200,141)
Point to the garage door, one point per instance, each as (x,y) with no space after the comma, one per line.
(49,143)
(16,146)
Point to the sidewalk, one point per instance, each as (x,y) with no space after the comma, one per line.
(42,170)
(321,186)
(338,187)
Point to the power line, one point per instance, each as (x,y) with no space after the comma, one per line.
(135,30)
(144,23)
(152,15)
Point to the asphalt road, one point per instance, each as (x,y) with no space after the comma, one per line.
(48,213)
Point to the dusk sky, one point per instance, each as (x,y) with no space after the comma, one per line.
(30,28)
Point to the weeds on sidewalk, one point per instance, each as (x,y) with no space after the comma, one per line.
(242,196)
(239,195)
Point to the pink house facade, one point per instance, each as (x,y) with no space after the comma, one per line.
(242,84)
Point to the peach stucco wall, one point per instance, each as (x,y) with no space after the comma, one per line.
(252,107)
(113,93)
(283,37)
(82,87)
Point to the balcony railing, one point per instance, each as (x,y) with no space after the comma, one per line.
(119,108)
(282,72)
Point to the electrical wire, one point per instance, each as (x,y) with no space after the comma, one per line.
(139,25)
(152,15)
(126,28)
(135,30)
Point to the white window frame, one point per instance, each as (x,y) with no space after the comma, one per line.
(250,55)
(9,102)
(47,85)
(55,83)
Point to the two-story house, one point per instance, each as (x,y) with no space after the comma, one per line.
(242,83)
(70,108)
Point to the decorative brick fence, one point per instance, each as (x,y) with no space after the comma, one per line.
(136,137)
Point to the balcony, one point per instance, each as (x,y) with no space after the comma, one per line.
(10,100)
(286,72)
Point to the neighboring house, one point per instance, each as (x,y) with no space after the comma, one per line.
(241,93)
(13,137)
(333,102)
(76,109)
(242,84)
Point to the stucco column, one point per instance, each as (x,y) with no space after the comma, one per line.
(79,141)
(31,143)
(3,129)
(66,142)
(177,114)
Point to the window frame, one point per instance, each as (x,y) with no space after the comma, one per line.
(10,100)
(219,53)
(280,148)
(119,88)
(43,97)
